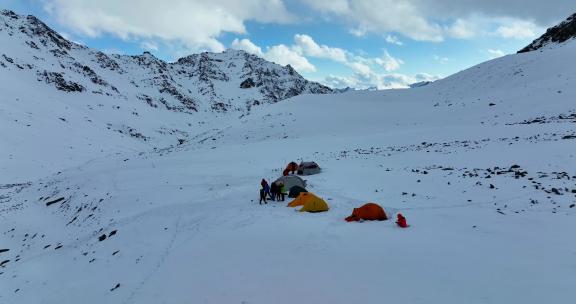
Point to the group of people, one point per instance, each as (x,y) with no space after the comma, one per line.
(276,192)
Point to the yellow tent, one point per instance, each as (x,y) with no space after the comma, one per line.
(310,203)
(315,206)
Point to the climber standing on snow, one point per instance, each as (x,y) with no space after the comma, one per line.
(262,196)
(281,191)
(292,167)
(264,191)
(274,191)
(401,221)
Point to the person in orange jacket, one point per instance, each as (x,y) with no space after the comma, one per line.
(292,167)
(401,221)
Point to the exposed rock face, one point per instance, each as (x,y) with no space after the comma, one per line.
(554,35)
(248,83)
(218,82)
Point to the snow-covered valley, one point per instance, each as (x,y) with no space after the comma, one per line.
(482,164)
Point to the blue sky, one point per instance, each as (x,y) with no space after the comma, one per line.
(358,43)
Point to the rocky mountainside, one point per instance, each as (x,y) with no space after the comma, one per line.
(228,81)
(560,33)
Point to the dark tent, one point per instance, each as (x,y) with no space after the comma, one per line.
(308,168)
(295,191)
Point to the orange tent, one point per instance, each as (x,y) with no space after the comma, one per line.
(370,212)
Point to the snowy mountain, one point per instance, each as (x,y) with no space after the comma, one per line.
(79,103)
(481,163)
(232,80)
(554,35)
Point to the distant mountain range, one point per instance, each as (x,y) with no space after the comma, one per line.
(229,81)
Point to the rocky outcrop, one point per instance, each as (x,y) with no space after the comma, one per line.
(248,83)
(554,35)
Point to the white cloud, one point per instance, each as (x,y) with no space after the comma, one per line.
(495,53)
(305,47)
(194,23)
(149,45)
(518,29)
(388,62)
(426,20)
(296,55)
(248,46)
(442,60)
(381,16)
(309,47)
(358,32)
(461,29)
(542,12)
(393,40)
(339,82)
(375,80)
(360,68)
(282,54)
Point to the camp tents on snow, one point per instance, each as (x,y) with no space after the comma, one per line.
(308,168)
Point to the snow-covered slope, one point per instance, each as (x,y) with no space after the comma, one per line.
(77,103)
(481,163)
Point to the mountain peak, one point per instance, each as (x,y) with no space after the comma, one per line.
(560,33)
(9,13)
(33,27)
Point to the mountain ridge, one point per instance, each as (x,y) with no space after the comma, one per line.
(189,84)
(557,34)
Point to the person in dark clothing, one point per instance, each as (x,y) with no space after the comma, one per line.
(266,189)
(264,183)
(281,192)
(273,191)
(263,196)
